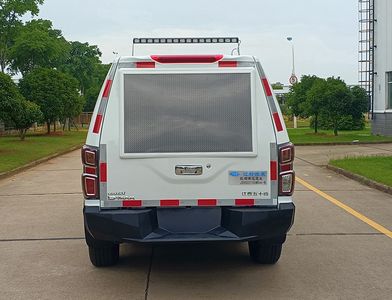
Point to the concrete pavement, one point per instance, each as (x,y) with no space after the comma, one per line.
(329,254)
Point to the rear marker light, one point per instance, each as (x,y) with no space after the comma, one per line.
(267,87)
(145,64)
(245,202)
(169,202)
(206,202)
(274,170)
(277,121)
(186,59)
(97,124)
(103,172)
(227,64)
(132,203)
(108,86)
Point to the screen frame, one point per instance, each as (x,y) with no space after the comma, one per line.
(247,70)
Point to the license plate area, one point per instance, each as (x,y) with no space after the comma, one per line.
(189,220)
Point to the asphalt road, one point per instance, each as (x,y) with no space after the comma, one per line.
(329,253)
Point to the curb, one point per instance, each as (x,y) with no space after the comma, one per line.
(361,179)
(37,162)
(343,143)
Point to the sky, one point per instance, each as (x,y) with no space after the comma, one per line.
(325,33)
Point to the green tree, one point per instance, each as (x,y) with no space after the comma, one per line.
(82,63)
(314,103)
(336,99)
(298,95)
(277,86)
(359,105)
(92,92)
(91,98)
(51,90)
(38,45)
(304,103)
(27,114)
(15,110)
(11,12)
(73,106)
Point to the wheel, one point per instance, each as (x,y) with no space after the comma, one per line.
(265,252)
(104,256)
(101,253)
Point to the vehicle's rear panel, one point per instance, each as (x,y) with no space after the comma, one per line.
(187,135)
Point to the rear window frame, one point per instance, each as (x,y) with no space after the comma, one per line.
(190,70)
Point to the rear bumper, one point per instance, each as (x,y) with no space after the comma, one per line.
(189,224)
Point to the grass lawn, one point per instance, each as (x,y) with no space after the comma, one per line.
(306,135)
(15,153)
(377,168)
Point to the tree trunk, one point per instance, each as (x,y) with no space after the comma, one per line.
(316,123)
(22,134)
(54,126)
(335,128)
(48,126)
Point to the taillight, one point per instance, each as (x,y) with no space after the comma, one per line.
(90,182)
(286,172)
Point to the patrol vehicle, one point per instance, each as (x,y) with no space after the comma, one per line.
(187,148)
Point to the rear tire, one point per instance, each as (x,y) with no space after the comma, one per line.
(104,256)
(101,253)
(265,252)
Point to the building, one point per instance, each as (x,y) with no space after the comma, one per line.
(375,61)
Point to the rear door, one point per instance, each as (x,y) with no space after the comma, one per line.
(188,137)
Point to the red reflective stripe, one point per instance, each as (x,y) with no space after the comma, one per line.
(183,59)
(103,172)
(274,170)
(97,124)
(277,121)
(90,170)
(267,88)
(170,202)
(132,203)
(245,202)
(145,64)
(227,64)
(206,202)
(108,86)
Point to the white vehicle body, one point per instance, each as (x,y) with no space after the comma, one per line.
(202,133)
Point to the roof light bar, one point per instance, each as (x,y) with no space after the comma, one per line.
(209,40)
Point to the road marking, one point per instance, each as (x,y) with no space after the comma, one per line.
(347,208)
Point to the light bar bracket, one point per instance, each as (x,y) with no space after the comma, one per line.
(188,40)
